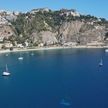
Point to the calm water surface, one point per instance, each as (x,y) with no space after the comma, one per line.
(49,77)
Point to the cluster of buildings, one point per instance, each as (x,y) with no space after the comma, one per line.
(9,45)
(6,15)
(70,43)
(72,12)
(3,20)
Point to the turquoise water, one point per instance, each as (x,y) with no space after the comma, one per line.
(69,78)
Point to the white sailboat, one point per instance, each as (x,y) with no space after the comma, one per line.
(101,63)
(20,58)
(6,73)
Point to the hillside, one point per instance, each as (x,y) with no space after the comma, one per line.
(47,27)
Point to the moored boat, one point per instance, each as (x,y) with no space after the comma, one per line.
(20,58)
(6,73)
(101,63)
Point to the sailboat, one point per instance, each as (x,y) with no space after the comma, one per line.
(20,58)
(6,73)
(101,63)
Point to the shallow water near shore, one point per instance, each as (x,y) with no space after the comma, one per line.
(49,76)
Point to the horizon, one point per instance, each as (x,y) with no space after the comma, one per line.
(92,7)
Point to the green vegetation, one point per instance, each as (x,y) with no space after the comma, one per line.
(106,36)
(4,47)
(11,49)
(28,23)
(42,21)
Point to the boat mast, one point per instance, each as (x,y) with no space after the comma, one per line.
(6,68)
(101,61)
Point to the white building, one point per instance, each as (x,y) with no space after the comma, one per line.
(70,12)
(8,45)
(41,44)
(3,20)
(26,44)
(20,46)
(94,43)
(70,44)
(1,39)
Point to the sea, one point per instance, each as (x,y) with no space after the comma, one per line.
(62,78)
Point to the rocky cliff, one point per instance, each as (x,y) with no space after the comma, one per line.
(52,27)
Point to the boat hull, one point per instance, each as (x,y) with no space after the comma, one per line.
(6,74)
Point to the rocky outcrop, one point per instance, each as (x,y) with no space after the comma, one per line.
(6,31)
(45,37)
(70,30)
(48,37)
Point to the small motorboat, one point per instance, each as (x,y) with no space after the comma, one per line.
(6,73)
(20,58)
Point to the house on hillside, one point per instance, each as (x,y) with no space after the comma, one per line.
(26,44)
(70,43)
(1,39)
(20,46)
(41,44)
(8,45)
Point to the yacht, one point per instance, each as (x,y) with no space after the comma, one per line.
(6,73)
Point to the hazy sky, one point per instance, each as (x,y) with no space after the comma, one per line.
(97,8)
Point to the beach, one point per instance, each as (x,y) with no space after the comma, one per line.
(48,48)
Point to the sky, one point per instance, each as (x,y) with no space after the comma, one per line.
(97,8)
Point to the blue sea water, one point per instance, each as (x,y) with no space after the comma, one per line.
(52,77)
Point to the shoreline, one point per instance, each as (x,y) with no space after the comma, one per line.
(49,48)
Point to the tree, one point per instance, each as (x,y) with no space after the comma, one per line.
(35,44)
(11,49)
(106,36)
(4,47)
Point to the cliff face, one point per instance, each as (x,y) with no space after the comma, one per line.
(77,31)
(6,31)
(52,27)
(70,31)
(6,28)
(46,37)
